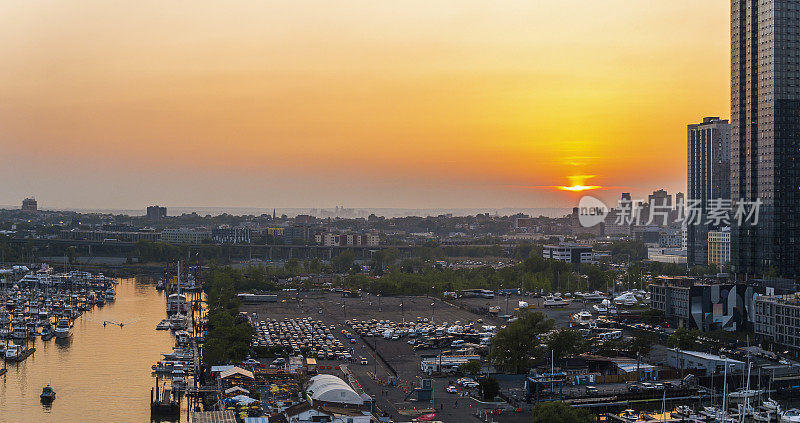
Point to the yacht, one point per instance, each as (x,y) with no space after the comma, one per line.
(47,331)
(555,301)
(762,416)
(176,303)
(19,330)
(182,338)
(13,352)
(160,285)
(5,332)
(582,318)
(44,313)
(163,325)
(593,296)
(178,378)
(685,411)
(63,329)
(5,317)
(629,416)
(770,404)
(31,326)
(110,294)
(790,416)
(626,299)
(177,321)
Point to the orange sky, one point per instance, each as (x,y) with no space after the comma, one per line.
(359,103)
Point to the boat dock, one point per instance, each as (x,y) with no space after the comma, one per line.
(643,418)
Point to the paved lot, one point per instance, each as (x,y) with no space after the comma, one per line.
(375,378)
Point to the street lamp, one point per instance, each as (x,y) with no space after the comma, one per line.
(433,310)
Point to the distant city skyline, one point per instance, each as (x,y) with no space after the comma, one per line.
(446,104)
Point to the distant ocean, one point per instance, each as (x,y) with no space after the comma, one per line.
(330,212)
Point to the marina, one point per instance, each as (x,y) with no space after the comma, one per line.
(86,368)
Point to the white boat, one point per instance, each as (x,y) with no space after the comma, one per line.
(743,394)
(179,354)
(790,416)
(626,299)
(163,325)
(555,301)
(593,296)
(47,331)
(63,329)
(582,318)
(110,294)
(19,330)
(770,404)
(762,416)
(5,332)
(178,378)
(177,321)
(629,415)
(684,411)
(13,352)
(182,338)
(176,303)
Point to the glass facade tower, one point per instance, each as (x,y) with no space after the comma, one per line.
(765,134)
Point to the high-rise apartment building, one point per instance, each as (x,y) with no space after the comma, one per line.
(765,134)
(708,179)
(155,213)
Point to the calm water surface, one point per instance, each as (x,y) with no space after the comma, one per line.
(100,374)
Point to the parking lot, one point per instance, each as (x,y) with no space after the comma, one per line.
(321,316)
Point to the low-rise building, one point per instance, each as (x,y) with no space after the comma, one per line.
(708,363)
(777,319)
(569,253)
(688,303)
(230,235)
(184,236)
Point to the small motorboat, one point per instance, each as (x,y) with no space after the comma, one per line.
(791,416)
(63,329)
(47,331)
(177,321)
(13,352)
(770,404)
(629,415)
(163,325)
(48,394)
(762,416)
(684,411)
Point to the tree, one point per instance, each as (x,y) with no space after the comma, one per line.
(513,346)
(471,367)
(343,262)
(71,254)
(641,344)
(684,339)
(489,388)
(558,412)
(566,342)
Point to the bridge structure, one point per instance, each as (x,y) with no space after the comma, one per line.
(242,251)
